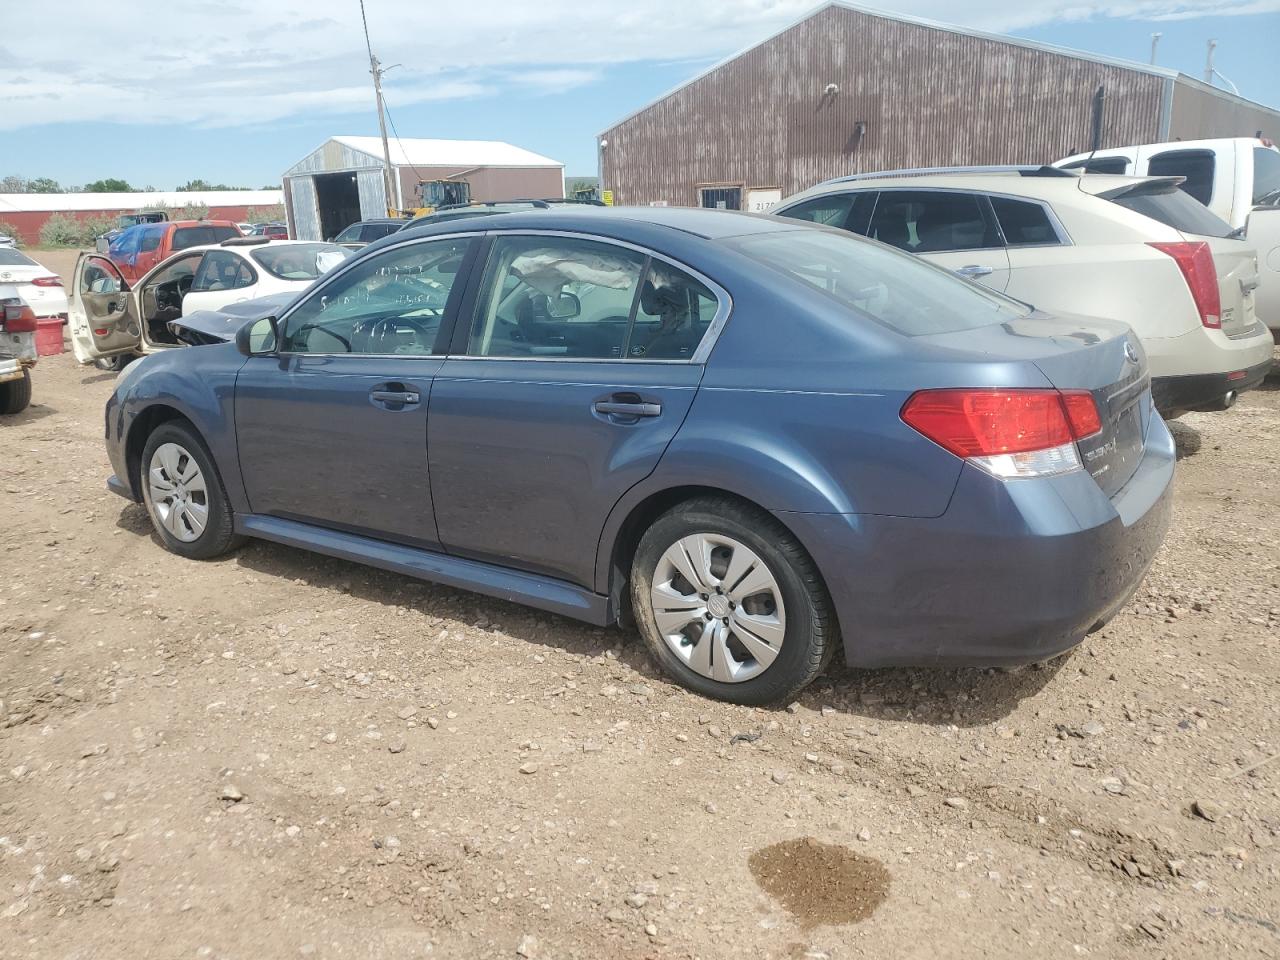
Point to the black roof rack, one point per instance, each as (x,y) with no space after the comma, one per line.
(244,241)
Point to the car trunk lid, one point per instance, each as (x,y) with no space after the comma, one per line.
(1237,266)
(1078,353)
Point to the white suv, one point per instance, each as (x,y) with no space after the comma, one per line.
(1134,249)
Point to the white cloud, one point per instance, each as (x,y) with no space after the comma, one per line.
(232,63)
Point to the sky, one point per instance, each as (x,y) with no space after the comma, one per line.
(158,93)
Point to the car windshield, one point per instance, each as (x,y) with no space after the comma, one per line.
(1174,208)
(299,261)
(12,258)
(904,293)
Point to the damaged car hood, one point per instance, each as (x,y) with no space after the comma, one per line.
(220,325)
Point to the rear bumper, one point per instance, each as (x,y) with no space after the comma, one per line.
(1174,395)
(1013,572)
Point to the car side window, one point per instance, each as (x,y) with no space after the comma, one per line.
(557,297)
(348,235)
(1195,165)
(150,239)
(924,221)
(222,270)
(848,211)
(1023,223)
(1266,175)
(389,304)
(100,276)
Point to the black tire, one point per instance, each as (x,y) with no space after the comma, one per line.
(15,396)
(218,536)
(117,363)
(811,633)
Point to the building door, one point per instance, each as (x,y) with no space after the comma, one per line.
(721,198)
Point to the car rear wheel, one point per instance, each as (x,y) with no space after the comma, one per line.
(730,604)
(184,494)
(15,395)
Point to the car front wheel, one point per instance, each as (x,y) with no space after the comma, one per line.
(730,604)
(184,494)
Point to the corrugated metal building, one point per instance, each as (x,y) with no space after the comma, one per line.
(852,90)
(343,180)
(28,212)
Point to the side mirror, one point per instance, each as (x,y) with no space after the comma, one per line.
(258,337)
(566,306)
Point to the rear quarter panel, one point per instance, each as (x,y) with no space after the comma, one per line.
(1262,232)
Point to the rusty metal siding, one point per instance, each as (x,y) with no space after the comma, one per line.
(928,97)
(489,183)
(1200,113)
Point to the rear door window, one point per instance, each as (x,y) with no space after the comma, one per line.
(150,238)
(184,237)
(1024,223)
(1195,165)
(222,270)
(1266,175)
(928,221)
(847,211)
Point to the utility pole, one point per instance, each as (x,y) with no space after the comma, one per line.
(1155,42)
(375,68)
(1208,63)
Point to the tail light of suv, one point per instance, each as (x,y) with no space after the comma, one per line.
(1008,433)
(17,317)
(1195,260)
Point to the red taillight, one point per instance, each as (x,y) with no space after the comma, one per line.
(1195,260)
(1008,433)
(47,282)
(1082,413)
(17,317)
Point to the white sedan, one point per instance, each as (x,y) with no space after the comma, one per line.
(110,317)
(38,286)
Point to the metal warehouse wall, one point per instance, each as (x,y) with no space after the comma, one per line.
(1199,114)
(928,97)
(489,183)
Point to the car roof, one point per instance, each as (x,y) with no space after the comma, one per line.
(614,221)
(1001,182)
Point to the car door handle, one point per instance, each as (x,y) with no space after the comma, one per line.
(620,408)
(407,397)
(975,270)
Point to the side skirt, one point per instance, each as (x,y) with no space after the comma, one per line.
(544,593)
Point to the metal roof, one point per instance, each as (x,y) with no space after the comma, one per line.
(67,202)
(1137,67)
(449,153)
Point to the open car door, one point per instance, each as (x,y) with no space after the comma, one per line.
(102,315)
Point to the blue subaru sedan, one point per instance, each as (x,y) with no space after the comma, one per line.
(758,441)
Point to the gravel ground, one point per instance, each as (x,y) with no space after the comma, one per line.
(282,755)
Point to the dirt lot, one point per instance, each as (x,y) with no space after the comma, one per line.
(280,755)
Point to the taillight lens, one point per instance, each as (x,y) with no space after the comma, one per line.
(47,282)
(1009,433)
(17,317)
(1195,260)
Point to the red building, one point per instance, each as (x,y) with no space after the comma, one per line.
(28,212)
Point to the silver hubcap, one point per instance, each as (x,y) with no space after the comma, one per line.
(179,500)
(718,607)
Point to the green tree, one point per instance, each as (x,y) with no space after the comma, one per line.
(13,184)
(193,185)
(9,230)
(44,185)
(273,214)
(108,185)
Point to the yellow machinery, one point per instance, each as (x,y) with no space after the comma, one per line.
(434,194)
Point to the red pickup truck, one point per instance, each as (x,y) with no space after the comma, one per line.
(139,248)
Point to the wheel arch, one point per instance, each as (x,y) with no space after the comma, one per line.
(631,519)
(143,424)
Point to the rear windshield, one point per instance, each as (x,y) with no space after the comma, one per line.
(184,237)
(12,258)
(904,293)
(1176,209)
(300,261)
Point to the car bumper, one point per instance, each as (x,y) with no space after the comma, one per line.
(1205,391)
(1014,572)
(1203,350)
